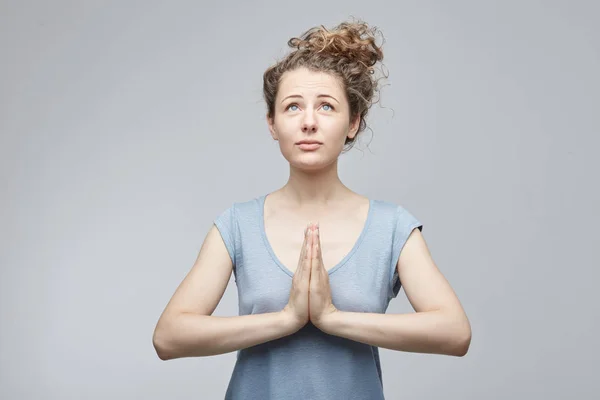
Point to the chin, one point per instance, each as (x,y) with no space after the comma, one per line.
(310,162)
(307,165)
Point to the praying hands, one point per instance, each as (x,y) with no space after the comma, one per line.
(310,295)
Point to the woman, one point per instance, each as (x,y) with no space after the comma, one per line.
(313,296)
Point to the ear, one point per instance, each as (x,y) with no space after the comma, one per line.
(271,126)
(354,125)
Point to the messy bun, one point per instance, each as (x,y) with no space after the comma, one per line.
(348,51)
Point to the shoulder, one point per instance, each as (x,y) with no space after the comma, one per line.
(394,219)
(390,210)
(235,220)
(242,205)
(239,210)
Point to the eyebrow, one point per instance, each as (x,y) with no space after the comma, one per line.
(319,96)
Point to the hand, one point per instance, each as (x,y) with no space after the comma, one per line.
(297,306)
(320,303)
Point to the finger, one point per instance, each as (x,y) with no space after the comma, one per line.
(303,254)
(303,250)
(308,252)
(319,250)
(311,238)
(319,247)
(323,272)
(306,265)
(315,248)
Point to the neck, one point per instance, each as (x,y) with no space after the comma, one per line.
(315,188)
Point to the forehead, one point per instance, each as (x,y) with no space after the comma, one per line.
(307,82)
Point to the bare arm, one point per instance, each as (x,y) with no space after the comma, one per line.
(186,327)
(438,326)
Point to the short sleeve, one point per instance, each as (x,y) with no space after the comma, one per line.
(404,225)
(226,224)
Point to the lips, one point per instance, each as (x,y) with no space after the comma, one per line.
(309,142)
(309,146)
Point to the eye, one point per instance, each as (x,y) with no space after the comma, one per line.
(291,105)
(328,105)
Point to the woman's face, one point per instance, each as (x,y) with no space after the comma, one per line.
(312,118)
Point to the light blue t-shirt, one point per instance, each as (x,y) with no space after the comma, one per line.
(311,364)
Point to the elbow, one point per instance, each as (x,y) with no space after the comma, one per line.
(160,342)
(462,341)
(161,352)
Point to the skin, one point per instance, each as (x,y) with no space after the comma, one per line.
(313,105)
(440,324)
(313,193)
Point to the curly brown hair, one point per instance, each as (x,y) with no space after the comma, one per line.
(348,52)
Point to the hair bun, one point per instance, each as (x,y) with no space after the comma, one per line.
(354,41)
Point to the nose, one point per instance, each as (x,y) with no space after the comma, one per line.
(309,123)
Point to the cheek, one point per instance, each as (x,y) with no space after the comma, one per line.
(287,130)
(335,132)
(332,130)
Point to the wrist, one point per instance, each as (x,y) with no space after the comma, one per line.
(290,323)
(328,322)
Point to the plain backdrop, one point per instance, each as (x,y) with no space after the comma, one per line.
(128,126)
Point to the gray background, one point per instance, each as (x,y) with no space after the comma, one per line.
(127,126)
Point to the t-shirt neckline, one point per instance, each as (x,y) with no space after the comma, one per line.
(344,260)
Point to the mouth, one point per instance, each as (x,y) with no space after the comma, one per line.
(309,145)
(309,141)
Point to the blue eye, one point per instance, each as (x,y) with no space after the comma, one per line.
(296,105)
